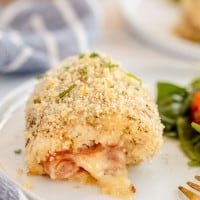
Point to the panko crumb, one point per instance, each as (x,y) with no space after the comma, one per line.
(20,171)
(27,185)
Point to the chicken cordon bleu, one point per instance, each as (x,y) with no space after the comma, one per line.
(89,118)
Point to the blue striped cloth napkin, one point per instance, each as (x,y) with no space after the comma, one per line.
(9,191)
(35,35)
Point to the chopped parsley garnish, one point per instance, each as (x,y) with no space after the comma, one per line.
(82,55)
(67,91)
(66,68)
(83,71)
(134,77)
(17,151)
(94,55)
(123,92)
(38,77)
(35,101)
(110,65)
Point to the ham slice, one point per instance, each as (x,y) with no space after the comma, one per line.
(106,164)
(60,166)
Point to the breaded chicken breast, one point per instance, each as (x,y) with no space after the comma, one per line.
(90,117)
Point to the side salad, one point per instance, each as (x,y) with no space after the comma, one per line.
(179,109)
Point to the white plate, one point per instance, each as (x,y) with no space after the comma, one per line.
(153,21)
(154,181)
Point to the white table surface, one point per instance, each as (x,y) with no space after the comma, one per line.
(116,39)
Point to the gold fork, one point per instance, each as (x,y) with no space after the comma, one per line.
(191,195)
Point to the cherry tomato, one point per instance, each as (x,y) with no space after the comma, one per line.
(195,108)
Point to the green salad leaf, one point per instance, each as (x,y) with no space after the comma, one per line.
(195,83)
(166,89)
(190,141)
(196,126)
(172,101)
(174,105)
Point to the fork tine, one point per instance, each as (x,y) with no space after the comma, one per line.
(189,194)
(194,185)
(197,177)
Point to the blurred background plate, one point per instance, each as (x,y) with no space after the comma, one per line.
(153,21)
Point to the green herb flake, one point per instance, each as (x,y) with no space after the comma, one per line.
(110,65)
(36,101)
(38,77)
(94,55)
(66,68)
(67,91)
(134,77)
(83,71)
(124,93)
(82,55)
(18,151)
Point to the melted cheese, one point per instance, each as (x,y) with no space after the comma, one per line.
(115,183)
(107,165)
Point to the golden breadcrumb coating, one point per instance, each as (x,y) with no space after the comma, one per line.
(90,100)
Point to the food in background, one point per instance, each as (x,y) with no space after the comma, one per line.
(189,26)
